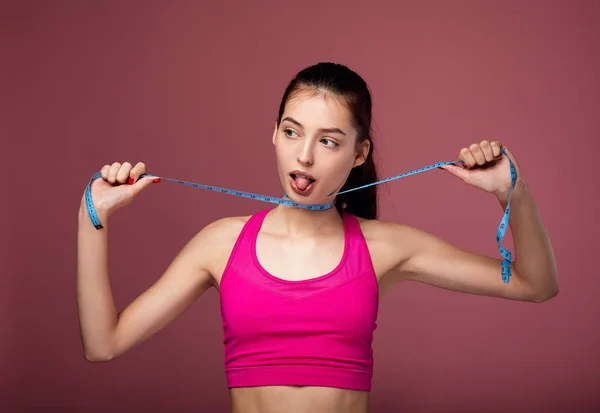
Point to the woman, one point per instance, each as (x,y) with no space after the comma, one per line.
(300,288)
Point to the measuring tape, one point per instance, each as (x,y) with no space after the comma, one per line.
(506,270)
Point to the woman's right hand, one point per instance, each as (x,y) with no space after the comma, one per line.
(118,186)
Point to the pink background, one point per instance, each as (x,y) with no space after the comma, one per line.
(192,89)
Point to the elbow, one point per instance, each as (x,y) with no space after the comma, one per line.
(547,293)
(99,348)
(97,356)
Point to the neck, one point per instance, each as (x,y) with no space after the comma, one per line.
(299,221)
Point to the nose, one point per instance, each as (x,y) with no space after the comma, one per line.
(306,155)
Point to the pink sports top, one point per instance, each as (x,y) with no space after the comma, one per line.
(315,332)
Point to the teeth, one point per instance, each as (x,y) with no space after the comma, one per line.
(302,176)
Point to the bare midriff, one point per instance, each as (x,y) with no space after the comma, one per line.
(286,399)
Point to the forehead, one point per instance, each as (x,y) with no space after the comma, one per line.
(319,110)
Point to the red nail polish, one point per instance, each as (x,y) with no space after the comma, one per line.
(156,180)
(130,180)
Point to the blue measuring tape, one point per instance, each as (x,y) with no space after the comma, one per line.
(506,270)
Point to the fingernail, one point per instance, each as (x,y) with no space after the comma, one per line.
(130,180)
(156,180)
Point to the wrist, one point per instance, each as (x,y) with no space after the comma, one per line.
(503,196)
(100,213)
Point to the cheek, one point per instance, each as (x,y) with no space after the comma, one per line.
(339,170)
(280,153)
(343,164)
(284,155)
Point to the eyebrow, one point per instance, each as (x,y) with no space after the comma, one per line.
(324,130)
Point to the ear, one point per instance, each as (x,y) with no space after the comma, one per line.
(362,153)
(274,132)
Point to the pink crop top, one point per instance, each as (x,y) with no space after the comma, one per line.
(315,332)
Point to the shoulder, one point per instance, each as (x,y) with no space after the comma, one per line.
(387,233)
(220,232)
(390,244)
(224,228)
(213,244)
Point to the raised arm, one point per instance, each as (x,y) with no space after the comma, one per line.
(431,260)
(106,333)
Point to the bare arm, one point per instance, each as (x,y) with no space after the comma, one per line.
(428,259)
(431,260)
(105,333)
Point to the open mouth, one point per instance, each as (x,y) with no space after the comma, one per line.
(302,183)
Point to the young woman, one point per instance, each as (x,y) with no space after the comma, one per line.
(300,288)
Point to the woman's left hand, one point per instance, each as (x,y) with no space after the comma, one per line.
(486,168)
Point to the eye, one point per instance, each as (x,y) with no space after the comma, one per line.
(330,143)
(285,131)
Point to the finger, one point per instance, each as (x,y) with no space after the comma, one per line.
(135,173)
(487,150)
(112,173)
(456,171)
(510,156)
(477,154)
(104,171)
(123,174)
(496,148)
(467,158)
(144,183)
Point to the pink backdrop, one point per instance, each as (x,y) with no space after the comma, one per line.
(193,89)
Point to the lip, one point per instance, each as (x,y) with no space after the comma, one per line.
(302,173)
(297,190)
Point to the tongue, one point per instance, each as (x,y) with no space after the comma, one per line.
(302,183)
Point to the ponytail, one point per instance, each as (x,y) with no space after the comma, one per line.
(363,202)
